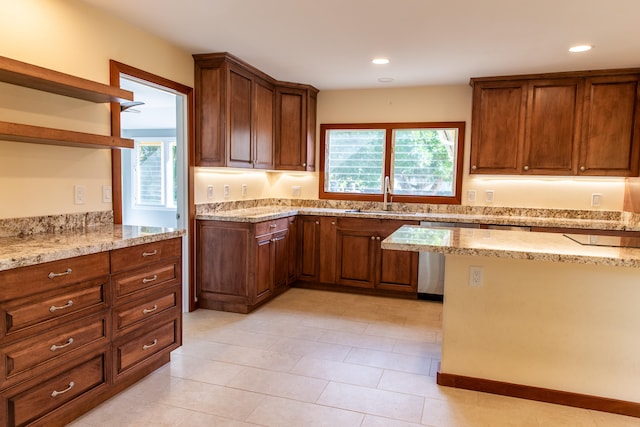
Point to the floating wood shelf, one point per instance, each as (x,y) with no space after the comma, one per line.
(42,135)
(32,76)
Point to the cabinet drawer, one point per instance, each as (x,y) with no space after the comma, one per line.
(36,401)
(60,343)
(142,347)
(52,275)
(148,253)
(67,303)
(161,274)
(131,314)
(272,226)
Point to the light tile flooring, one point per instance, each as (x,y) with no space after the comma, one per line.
(314,358)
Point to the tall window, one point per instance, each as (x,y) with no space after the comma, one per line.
(423,161)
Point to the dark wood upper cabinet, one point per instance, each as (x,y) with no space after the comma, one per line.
(295,127)
(498,126)
(610,128)
(552,127)
(582,123)
(247,119)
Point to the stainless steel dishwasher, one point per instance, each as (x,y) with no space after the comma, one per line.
(431,265)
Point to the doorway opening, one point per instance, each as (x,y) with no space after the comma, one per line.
(153,182)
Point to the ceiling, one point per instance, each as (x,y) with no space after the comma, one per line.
(330,43)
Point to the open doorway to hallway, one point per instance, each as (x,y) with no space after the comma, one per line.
(153,182)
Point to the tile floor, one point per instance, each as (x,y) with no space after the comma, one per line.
(314,358)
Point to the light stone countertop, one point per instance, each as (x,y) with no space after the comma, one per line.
(267,213)
(21,251)
(554,247)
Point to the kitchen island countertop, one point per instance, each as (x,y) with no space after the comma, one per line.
(22,251)
(553,247)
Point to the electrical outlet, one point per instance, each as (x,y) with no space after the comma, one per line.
(209,191)
(596,199)
(79,194)
(244,190)
(476,276)
(226,191)
(488,196)
(296,190)
(106,194)
(471,196)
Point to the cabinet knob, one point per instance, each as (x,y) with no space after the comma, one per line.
(373,237)
(304,165)
(377,237)
(317,222)
(474,167)
(333,223)
(526,168)
(582,168)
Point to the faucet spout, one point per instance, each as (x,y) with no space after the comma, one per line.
(386,200)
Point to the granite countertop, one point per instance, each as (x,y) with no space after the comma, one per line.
(554,247)
(21,251)
(267,213)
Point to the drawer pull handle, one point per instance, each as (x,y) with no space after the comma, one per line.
(53,275)
(148,346)
(54,308)
(58,347)
(55,393)
(272,225)
(150,279)
(150,310)
(145,254)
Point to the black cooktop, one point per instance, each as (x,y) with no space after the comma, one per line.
(611,241)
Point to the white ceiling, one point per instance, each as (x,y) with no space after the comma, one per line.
(330,43)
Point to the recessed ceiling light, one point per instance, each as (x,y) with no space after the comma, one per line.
(380,61)
(385,79)
(580,48)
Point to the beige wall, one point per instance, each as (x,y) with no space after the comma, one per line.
(67,36)
(544,324)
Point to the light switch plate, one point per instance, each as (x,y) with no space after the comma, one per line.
(79,194)
(106,194)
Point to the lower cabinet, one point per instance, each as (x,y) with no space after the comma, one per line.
(345,253)
(241,265)
(77,331)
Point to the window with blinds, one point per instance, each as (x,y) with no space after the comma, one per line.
(154,170)
(422,160)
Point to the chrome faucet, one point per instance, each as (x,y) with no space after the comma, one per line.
(386,203)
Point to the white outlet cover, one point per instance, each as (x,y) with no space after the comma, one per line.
(471,196)
(209,191)
(79,194)
(488,196)
(476,276)
(226,190)
(296,190)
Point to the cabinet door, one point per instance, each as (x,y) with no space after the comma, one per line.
(312,102)
(263,280)
(263,100)
(222,272)
(239,119)
(355,257)
(210,140)
(293,249)
(396,270)
(552,127)
(291,128)
(280,242)
(610,130)
(497,129)
(309,247)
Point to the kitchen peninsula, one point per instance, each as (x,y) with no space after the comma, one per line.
(549,317)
